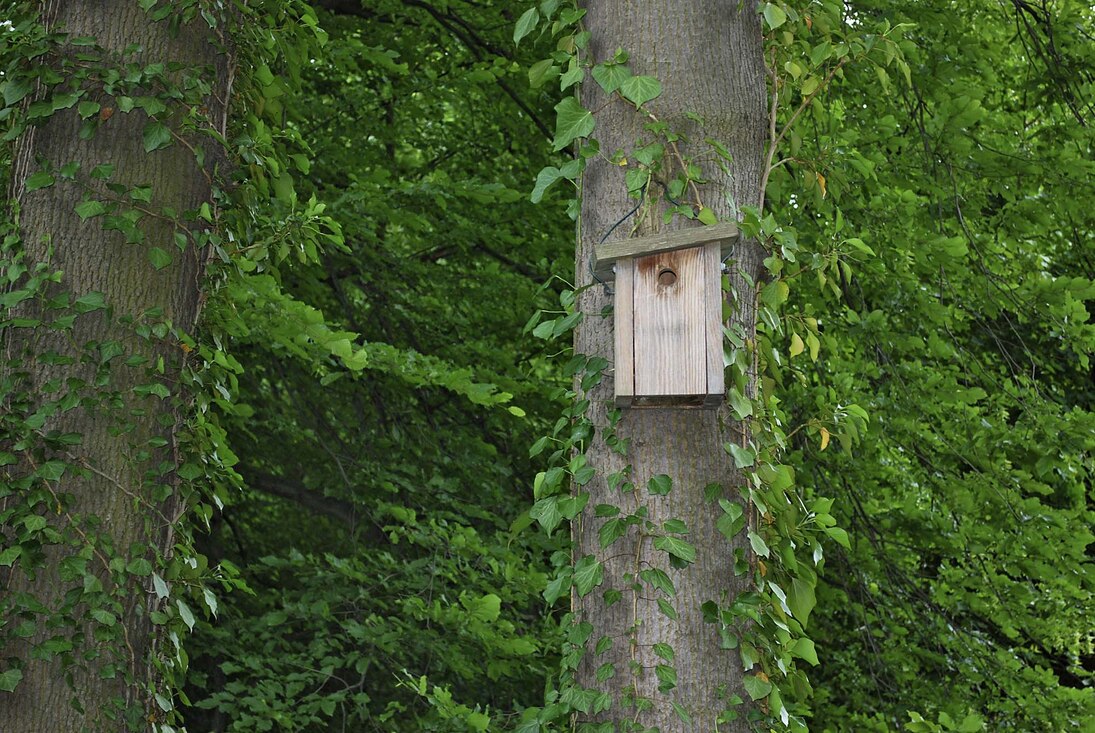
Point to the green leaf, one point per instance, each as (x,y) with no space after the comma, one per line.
(9,679)
(185,614)
(544,179)
(541,72)
(10,555)
(611,76)
(667,677)
(525,24)
(486,608)
(588,574)
(87,109)
(675,526)
(160,257)
(801,600)
(160,586)
(707,216)
(139,566)
(34,523)
(660,485)
(732,520)
(759,545)
(611,531)
(88,209)
(743,457)
(546,512)
(52,470)
(804,649)
(658,579)
(38,180)
(840,535)
(640,89)
(106,618)
(757,687)
(676,547)
(15,90)
(741,404)
(775,17)
(156,136)
(572,122)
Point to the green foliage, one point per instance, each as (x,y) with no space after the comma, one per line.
(371,384)
(958,199)
(924,347)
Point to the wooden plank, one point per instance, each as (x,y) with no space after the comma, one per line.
(607,253)
(716,386)
(624,326)
(670,323)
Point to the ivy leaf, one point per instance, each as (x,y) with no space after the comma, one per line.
(34,523)
(540,72)
(14,91)
(88,108)
(640,89)
(756,687)
(611,531)
(801,600)
(544,179)
(10,555)
(658,578)
(743,408)
(558,586)
(156,136)
(41,179)
(676,547)
(660,485)
(732,520)
(588,574)
(546,512)
(9,679)
(675,526)
(611,76)
(525,24)
(103,616)
(572,122)
(160,257)
(743,457)
(88,209)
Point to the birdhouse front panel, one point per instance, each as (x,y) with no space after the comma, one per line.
(668,329)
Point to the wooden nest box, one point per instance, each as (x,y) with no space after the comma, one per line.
(668,315)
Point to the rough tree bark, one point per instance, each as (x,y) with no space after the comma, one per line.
(118,501)
(708,56)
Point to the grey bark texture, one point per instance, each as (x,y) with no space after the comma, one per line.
(112,503)
(707,55)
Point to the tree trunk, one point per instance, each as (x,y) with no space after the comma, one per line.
(118,497)
(708,56)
